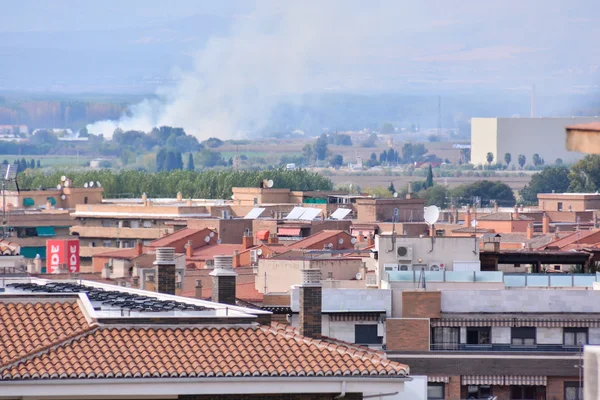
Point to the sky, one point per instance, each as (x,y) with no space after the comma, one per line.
(218,65)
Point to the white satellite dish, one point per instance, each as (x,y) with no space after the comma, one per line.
(270,183)
(212,234)
(474,223)
(63,178)
(207,239)
(353,240)
(330,245)
(232,197)
(58,186)
(85,185)
(358,276)
(340,241)
(63,197)
(395,194)
(67,183)
(91,183)
(259,252)
(98,184)
(431,215)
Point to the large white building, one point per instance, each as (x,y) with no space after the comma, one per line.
(527,136)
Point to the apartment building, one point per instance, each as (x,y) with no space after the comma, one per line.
(478,342)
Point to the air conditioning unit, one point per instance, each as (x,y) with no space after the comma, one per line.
(405,267)
(390,267)
(437,266)
(404,252)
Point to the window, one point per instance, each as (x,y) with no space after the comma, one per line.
(147,224)
(575,336)
(366,334)
(106,223)
(573,391)
(522,392)
(523,336)
(85,200)
(150,278)
(435,391)
(92,244)
(560,206)
(479,392)
(478,335)
(107,243)
(445,337)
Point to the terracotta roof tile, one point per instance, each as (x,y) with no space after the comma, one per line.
(200,352)
(208,252)
(314,239)
(28,328)
(175,236)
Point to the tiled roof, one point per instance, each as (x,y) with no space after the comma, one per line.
(125,254)
(200,352)
(175,236)
(243,290)
(8,248)
(28,328)
(580,237)
(503,216)
(314,239)
(208,252)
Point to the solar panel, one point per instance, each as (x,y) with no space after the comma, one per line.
(8,175)
(254,213)
(310,214)
(340,213)
(296,213)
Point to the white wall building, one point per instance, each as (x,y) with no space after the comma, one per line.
(527,136)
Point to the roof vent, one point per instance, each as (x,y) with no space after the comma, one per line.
(165,255)
(311,277)
(223,262)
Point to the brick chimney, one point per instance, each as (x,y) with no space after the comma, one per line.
(515,215)
(189,202)
(198,288)
(189,249)
(48,205)
(144,199)
(165,270)
(495,206)
(545,223)
(139,247)
(530,231)
(223,280)
(311,295)
(468,217)
(370,240)
(179,196)
(247,240)
(236,259)
(273,239)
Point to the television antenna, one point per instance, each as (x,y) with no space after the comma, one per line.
(8,175)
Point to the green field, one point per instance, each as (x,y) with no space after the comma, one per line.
(51,161)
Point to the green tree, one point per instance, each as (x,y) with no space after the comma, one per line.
(383,157)
(190,162)
(371,141)
(38,164)
(429,179)
(308,153)
(161,159)
(507,159)
(436,195)
(522,160)
(585,174)
(83,132)
(391,156)
(489,157)
(208,158)
(391,188)
(321,147)
(213,142)
(32,164)
(465,155)
(336,161)
(413,152)
(558,161)
(486,191)
(537,160)
(387,128)
(550,179)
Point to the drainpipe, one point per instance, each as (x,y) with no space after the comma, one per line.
(343,393)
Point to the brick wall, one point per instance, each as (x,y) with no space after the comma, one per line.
(166,279)
(409,334)
(421,304)
(453,388)
(304,396)
(555,389)
(310,310)
(223,289)
(272,299)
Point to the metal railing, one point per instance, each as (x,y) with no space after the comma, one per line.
(504,347)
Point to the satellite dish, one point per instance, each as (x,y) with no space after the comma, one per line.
(259,252)
(232,197)
(358,276)
(330,245)
(395,194)
(58,186)
(85,185)
(91,183)
(431,215)
(63,178)
(63,197)
(340,241)
(207,239)
(270,183)
(212,234)
(353,240)
(98,184)
(67,183)
(474,223)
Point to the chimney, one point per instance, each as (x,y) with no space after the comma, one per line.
(106,271)
(545,224)
(468,217)
(311,294)
(236,259)
(139,247)
(48,205)
(273,239)
(199,289)
(495,206)
(189,249)
(37,264)
(556,233)
(248,240)
(370,240)
(515,215)
(144,199)
(360,238)
(410,191)
(223,281)
(179,196)
(165,265)
(530,231)
(189,203)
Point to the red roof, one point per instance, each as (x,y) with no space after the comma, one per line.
(314,239)
(580,237)
(208,252)
(166,241)
(125,254)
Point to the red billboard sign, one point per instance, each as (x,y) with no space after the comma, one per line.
(62,256)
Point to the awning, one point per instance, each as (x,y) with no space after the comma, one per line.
(518,322)
(527,380)
(31,252)
(263,235)
(438,379)
(28,202)
(288,231)
(482,380)
(45,231)
(52,200)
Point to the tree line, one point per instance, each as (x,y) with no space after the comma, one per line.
(23,164)
(210,184)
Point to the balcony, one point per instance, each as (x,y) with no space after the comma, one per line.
(548,348)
